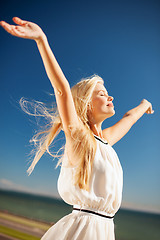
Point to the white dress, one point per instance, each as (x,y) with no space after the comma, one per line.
(104,197)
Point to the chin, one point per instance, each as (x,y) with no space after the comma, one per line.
(110,114)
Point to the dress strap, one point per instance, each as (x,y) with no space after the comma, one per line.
(100,139)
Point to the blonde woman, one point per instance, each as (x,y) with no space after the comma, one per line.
(91,176)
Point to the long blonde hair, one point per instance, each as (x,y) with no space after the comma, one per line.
(84,143)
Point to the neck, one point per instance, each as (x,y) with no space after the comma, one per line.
(96,129)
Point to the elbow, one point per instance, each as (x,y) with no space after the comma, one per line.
(59,92)
(62,90)
(131,116)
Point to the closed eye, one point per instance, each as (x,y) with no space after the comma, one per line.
(103,93)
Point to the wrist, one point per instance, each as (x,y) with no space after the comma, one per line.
(145,104)
(42,38)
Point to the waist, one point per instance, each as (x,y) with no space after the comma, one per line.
(93,211)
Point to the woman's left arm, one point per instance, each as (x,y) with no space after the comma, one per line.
(117,131)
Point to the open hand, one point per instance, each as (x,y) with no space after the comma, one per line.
(24,29)
(149,110)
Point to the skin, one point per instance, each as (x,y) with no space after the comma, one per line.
(100,111)
(102,106)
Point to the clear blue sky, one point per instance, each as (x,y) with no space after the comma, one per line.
(119,40)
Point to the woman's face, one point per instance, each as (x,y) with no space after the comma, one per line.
(101,104)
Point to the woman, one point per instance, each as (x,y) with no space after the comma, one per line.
(91,175)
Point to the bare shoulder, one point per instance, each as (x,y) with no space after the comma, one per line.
(107,135)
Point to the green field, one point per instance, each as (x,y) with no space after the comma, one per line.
(17,234)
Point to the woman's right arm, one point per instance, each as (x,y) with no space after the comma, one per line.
(59,82)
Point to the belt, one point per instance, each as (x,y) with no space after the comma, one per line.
(89,211)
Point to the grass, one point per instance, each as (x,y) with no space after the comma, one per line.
(17,234)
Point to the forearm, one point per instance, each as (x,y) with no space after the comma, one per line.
(53,70)
(137,112)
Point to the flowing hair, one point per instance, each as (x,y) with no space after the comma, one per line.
(83,144)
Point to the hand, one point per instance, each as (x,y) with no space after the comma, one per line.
(24,29)
(149,110)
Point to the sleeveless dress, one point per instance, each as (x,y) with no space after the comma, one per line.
(104,197)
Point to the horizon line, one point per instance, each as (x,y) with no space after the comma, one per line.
(127,208)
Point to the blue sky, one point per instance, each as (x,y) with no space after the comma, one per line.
(119,40)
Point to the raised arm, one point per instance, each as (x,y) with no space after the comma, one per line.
(117,131)
(60,84)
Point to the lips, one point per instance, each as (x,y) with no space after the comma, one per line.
(110,105)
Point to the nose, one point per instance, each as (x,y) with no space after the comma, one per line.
(110,98)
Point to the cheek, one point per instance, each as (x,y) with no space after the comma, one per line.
(98,104)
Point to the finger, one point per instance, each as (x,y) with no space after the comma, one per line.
(16,31)
(19,21)
(2,23)
(6,26)
(19,29)
(10,29)
(150,112)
